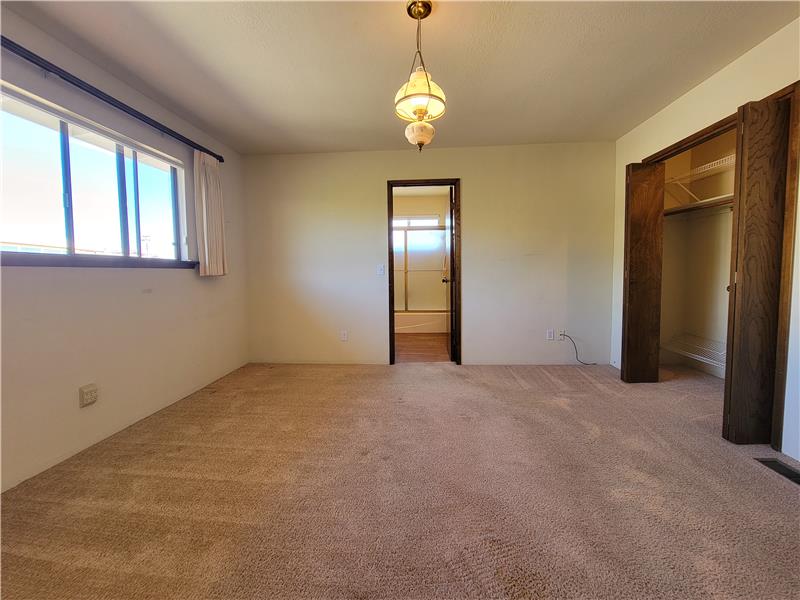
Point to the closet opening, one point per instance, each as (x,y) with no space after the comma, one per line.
(424,271)
(698,225)
(709,245)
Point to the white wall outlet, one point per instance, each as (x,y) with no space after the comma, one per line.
(550,335)
(343,335)
(87,394)
(561,334)
(380,269)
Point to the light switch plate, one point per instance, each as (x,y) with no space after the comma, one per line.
(343,335)
(380,270)
(550,335)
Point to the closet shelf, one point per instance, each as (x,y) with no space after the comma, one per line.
(697,348)
(726,163)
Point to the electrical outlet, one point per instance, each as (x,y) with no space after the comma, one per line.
(561,334)
(343,335)
(550,335)
(87,394)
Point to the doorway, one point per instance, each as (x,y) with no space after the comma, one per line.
(424,253)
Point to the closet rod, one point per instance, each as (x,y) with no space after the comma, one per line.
(45,64)
(724,201)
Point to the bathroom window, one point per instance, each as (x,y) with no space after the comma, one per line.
(416,221)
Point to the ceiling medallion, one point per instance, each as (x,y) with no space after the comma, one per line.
(419,100)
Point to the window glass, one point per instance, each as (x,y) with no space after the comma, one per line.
(31,194)
(95,197)
(424,221)
(155,208)
(137,202)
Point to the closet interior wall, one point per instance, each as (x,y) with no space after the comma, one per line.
(697,252)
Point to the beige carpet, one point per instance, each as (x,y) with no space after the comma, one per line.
(412,481)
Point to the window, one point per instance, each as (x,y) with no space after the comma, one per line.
(416,221)
(31,196)
(420,263)
(69,189)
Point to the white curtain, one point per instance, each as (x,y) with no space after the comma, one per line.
(209,215)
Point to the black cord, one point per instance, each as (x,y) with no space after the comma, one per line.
(576,351)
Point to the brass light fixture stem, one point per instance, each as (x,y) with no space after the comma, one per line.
(419,9)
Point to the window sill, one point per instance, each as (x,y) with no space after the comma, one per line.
(29,259)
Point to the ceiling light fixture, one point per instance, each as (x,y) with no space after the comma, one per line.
(419,100)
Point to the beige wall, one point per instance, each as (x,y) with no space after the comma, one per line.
(147,337)
(766,68)
(536,251)
(696,270)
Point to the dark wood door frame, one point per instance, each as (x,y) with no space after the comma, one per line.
(791,94)
(455,259)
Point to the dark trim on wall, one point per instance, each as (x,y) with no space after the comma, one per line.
(693,140)
(455,265)
(29,259)
(45,64)
(390,274)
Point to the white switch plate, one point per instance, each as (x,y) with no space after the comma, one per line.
(380,270)
(87,394)
(343,335)
(550,335)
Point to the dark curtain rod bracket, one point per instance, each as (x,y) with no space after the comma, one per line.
(45,64)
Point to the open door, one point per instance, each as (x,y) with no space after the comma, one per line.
(641,304)
(756,270)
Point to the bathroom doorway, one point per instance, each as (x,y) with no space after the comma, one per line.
(424,270)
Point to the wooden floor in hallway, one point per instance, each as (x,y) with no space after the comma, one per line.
(420,347)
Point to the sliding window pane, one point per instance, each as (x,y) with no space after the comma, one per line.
(426,250)
(426,291)
(131,192)
(31,195)
(399,245)
(155,208)
(95,197)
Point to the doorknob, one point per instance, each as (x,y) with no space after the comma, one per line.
(445,280)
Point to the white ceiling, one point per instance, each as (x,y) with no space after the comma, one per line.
(274,77)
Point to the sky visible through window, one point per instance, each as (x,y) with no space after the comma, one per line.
(31,191)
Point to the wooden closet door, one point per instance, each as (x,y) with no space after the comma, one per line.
(641,296)
(755,271)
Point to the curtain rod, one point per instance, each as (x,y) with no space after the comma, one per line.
(45,64)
